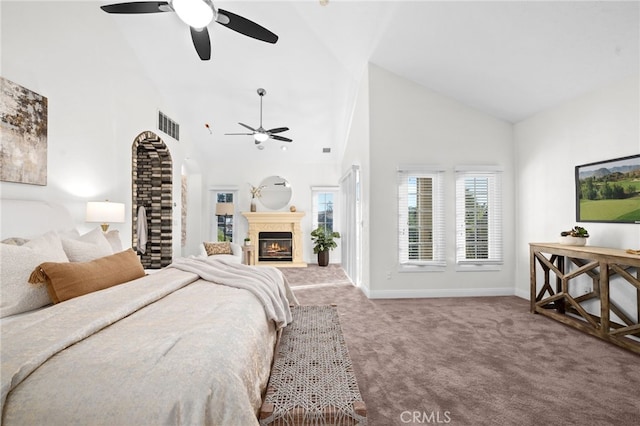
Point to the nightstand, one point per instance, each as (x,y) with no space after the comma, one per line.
(247,255)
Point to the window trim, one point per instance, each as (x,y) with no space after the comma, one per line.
(496,220)
(439,263)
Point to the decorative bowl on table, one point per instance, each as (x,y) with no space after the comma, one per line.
(574,237)
(573,241)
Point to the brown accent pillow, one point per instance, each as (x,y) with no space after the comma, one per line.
(72,279)
(217,248)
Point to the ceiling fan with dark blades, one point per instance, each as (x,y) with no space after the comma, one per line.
(198,14)
(260,134)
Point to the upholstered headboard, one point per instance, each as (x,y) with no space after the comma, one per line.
(28,218)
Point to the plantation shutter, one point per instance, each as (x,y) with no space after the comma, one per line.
(420,217)
(479,217)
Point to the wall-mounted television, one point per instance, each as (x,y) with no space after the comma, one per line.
(609,191)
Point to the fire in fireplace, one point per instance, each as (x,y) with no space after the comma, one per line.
(275,246)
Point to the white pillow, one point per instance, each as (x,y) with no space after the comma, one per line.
(71,233)
(87,247)
(16,265)
(114,239)
(236,249)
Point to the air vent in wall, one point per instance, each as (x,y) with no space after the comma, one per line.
(168,126)
(326,150)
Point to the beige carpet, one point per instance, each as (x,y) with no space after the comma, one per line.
(479,361)
(314,275)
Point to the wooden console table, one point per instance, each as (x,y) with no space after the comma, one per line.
(599,264)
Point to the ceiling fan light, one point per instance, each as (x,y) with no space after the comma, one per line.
(195,13)
(261,137)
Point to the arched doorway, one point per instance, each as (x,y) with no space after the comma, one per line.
(152,188)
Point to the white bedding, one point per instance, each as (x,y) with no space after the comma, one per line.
(169,348)
(267,284)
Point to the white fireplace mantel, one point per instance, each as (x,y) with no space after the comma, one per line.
(277,222)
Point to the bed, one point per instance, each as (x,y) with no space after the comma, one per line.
(189,344)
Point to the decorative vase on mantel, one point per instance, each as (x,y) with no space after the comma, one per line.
(253,204)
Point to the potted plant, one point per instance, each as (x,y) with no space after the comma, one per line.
(247,241)
(323,242)
(574,237)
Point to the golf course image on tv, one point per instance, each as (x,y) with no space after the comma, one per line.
(609,191)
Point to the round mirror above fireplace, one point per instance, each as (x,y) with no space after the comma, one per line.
(275,193)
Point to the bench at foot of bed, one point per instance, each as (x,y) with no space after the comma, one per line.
(312,380)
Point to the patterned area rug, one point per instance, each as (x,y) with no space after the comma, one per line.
(314,275)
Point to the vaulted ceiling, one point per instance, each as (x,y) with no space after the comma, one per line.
(509,59)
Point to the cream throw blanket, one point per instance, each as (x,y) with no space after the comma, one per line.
(267,284)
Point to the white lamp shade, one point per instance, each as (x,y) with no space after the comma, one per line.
(105,212)
(224,209)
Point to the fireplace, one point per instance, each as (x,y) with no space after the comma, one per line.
(275,246)
(278,238)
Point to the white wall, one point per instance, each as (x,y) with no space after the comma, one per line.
(411,124)
(195,220)
(357,153)
(99,101)
(601,125)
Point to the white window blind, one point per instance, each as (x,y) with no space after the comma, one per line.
(421,218)
(479,217)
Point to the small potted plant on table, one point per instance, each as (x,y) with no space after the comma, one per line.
(574,237)
(323,242)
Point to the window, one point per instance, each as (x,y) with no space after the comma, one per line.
(420,218)
(224,223)
(478,217)
(323,210)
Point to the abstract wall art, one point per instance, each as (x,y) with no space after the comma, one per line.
(23,134)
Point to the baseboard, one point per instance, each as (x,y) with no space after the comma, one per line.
(422,293)
(366,290)
(523,293)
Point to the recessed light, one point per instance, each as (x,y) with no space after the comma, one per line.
(283,147)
